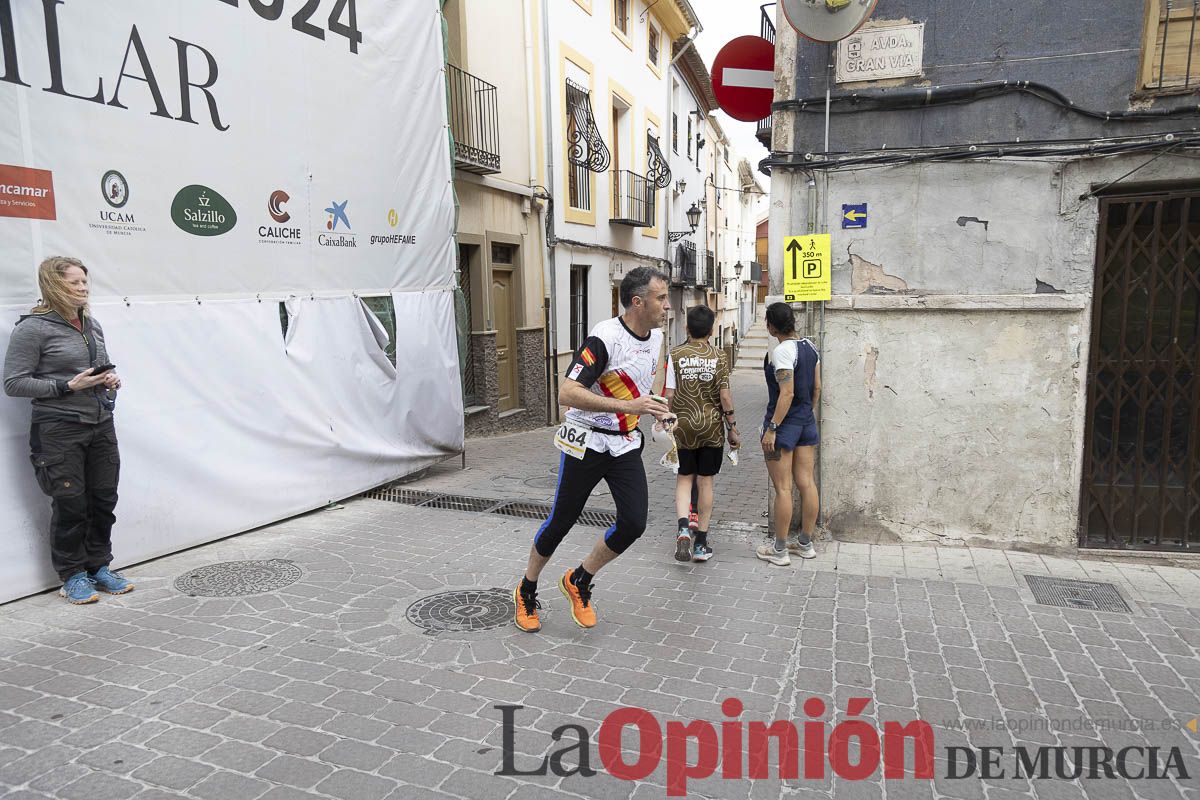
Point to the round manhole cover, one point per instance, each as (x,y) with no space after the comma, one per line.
(238,578)
(462,611)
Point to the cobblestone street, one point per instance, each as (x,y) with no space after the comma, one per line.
(325,687)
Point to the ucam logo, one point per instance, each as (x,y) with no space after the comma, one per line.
(202,211)
(116,220)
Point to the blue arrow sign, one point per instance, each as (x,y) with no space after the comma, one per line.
(854,215)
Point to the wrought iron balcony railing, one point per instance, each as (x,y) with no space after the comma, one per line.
(632,199)
(683,269)
(767,29)
(474,121)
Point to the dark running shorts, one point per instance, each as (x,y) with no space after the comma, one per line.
(792,435)
(701,461)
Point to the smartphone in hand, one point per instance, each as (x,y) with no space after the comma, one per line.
(103,368)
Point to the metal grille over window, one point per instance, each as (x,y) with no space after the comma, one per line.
(684,271)
(659,171)
(586,147)
(466,353)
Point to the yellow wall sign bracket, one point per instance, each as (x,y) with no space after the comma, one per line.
(806,268)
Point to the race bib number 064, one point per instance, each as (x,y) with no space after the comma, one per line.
(571,439)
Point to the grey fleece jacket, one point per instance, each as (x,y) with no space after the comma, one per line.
(44,353)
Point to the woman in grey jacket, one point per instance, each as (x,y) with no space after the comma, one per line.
(53,357)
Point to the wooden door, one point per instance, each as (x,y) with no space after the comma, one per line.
(506,338)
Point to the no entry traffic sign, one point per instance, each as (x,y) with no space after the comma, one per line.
(743,78)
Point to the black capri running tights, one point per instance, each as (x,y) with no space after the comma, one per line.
(626,478)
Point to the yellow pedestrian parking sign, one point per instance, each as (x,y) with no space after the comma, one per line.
(806,273)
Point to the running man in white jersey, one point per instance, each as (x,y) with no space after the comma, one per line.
(607,389)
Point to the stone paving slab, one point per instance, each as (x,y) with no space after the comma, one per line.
(324,688)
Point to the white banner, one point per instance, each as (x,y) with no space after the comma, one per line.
(201,147)
(209,160)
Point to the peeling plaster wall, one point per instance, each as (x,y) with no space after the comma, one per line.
(952,424)
(921,234)
(955,354)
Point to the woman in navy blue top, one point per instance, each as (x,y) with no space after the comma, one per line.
(790,437)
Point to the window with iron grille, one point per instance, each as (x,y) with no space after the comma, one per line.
(468,358)
(674,132)
(652,36)
(579,177)
(689,137)
(579,305)
(1170,58)
(621,16)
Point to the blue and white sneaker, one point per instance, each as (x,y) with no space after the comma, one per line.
(112,582)
(702,552)
(79,589)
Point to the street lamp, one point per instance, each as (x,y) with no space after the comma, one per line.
(693,218)
(737,270)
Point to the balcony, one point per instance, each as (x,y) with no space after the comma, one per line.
(632,199)
(474,122)
(767,31)
(683,270)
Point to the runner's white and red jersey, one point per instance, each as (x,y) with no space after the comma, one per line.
(614,362)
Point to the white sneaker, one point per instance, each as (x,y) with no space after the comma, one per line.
(803,550)
(767,552)
(683,545)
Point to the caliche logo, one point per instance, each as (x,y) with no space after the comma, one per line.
(26,193)
(275,205)
(278,234)
(115,188)
(202,211)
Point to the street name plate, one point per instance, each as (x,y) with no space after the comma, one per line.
(874,54)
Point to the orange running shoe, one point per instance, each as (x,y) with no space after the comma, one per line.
(582,610)
(527,610)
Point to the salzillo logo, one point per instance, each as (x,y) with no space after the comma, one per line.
(202,211)
(275,206)
(115,188)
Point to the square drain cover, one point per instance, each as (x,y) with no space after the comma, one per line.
(1069,593)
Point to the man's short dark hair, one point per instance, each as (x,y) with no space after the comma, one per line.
(637,282)
(781,317)
(700,322)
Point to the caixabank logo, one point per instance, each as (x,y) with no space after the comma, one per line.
(811,749)
(202,211)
